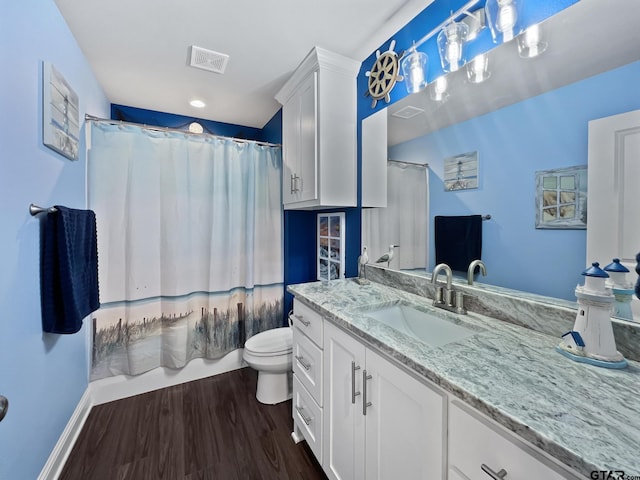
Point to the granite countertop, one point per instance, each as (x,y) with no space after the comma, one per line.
(587,417)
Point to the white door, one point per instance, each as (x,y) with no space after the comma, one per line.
(613,195)
(308,150)
(404,425)
(343,450)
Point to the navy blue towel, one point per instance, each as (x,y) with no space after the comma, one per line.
(458,240)
(68,268)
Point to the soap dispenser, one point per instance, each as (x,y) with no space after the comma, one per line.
(621,288)
(591,340)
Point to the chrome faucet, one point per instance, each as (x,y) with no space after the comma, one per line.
(444,297)
(472,267)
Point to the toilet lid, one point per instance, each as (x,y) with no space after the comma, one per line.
(271,342)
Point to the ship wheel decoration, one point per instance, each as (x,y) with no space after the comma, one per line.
(383,75)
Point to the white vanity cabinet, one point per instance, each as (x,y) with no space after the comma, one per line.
(479,449)
(319,132)
(307,377)
(379,421)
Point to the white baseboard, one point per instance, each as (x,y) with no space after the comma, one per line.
(60,452)
(122,386)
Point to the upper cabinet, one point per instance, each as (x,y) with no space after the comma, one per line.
(319,133)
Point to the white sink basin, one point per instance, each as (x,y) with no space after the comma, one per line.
(424,326)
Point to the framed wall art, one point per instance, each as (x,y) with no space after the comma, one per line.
(60,112)
(461,172)
(561,198)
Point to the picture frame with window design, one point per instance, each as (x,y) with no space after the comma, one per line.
(561,198)
(331,242)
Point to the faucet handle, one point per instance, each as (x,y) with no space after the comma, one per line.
(439,297)
(460,303)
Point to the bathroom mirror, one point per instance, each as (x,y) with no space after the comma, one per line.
(530,115)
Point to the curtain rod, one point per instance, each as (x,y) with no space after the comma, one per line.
(425,165)
(178,130)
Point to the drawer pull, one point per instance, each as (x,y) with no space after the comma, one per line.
(305,365)
(354,394)
(305,419)
(365,403)
(302,320)
(496,476)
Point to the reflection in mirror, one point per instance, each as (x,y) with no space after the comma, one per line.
(531,115)
(403,222)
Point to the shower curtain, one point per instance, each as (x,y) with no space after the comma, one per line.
(189,246)
(403,222)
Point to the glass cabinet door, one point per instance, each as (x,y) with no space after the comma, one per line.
(330,246)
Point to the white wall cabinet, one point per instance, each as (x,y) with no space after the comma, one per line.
(380,422)
(319,132)
(374,160)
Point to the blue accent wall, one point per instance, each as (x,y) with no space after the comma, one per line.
(542,133)
(42,375)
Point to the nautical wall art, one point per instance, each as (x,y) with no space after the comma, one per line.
(561,198)
(461,171)
(60,113)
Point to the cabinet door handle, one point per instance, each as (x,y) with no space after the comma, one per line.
(305,419)
(365,403)
(292,183)
(302,320)
(300,359)
(354,394)
(496,476)
(298,188)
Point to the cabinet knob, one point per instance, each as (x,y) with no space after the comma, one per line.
(495,475)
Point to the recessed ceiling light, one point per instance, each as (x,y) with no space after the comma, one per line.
(197,103)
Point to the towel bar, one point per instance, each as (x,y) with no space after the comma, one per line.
(35,210)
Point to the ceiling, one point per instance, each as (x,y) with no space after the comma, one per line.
(585,39)
(139,50)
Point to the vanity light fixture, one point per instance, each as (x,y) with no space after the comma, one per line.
(503,19)
(532,42)
(414,66)
(438,89)
(478,68)
(415,62)
(451,40)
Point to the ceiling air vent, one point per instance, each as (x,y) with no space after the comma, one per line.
(208,59)
(407,112)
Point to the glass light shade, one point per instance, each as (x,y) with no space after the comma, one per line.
(532,42)
(478,69)
(438,89)
(414,67)
(503,19)
(451,40)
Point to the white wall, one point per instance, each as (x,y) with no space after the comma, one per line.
(43,376)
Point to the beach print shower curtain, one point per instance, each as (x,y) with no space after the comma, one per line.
(189,246)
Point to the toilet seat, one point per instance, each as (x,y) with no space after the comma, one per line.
(277,341)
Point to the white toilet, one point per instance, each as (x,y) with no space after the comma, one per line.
(270,353)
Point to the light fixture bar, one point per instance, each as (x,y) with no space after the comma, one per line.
(458,12)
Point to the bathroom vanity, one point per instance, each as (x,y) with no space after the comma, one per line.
(384,404)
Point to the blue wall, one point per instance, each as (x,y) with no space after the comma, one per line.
(43,376)
(545,132)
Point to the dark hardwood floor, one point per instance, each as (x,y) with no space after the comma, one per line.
(212,428)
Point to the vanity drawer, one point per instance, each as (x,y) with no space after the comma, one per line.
(307,321)
(307,364)
(475,441)
(307,416)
